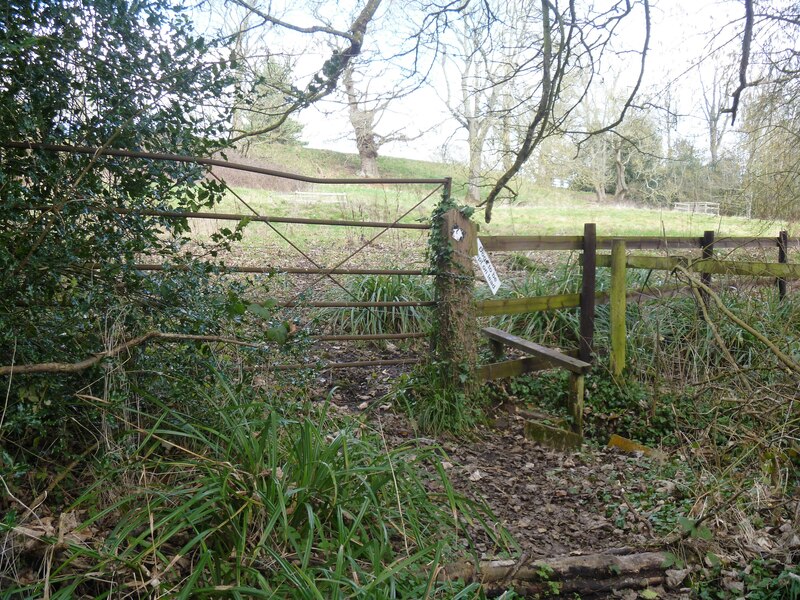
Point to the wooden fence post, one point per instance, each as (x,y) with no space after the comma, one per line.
(575,401)
(618,292)
(587,292)
(783,257)
(455,340)
(708,253)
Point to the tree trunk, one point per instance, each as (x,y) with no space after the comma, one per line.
(369,164)
(564,575)
(475,164)
(363,122)
(600,191)
(621,190)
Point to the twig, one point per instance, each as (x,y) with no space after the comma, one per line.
(8,389)
(780,355)
(720,342)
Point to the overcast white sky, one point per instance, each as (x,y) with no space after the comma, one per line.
(680,38)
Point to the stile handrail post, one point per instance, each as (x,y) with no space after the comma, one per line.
(455,339)
(588,291)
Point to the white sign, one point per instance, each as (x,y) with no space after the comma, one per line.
(487,268)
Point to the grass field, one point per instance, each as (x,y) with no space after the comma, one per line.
(538,210)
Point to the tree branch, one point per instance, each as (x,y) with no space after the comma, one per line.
(746,41)
(268,18)
(56,367)
(324,82)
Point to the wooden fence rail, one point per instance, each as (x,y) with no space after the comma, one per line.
(705,265)
(524,243)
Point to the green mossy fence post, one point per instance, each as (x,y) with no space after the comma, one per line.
(783,257)
(707,244)
(455,341)
(618,293)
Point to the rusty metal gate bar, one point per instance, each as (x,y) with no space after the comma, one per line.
(444,183)
(214,162)
(269,219)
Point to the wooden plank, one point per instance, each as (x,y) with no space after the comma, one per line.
(755,269)
(718,267)
(519,243)
(588,293)
(650,243)
(512,368)
(560,439)
(746,242)
(554,357)
(516,306)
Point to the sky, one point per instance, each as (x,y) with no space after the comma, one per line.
(680,38)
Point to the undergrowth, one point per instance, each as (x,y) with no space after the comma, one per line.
(434,405)
(259,499)
(382,319)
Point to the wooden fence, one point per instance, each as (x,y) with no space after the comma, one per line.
(703,208)
(706,264)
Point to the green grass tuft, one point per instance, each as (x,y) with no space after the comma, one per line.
(264,501)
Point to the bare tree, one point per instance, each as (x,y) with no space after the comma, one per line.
(365,115)
(714,93)
(768,94)
(346,43)
(570,42)
(474,105)
(484,52)
(519,61)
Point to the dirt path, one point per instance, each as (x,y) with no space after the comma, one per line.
(553,503)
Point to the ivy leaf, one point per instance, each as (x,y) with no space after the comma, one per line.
(236,307)
(278,333)
(259,311)
(703,533)
(686,524)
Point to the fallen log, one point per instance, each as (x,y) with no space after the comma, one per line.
(583,575)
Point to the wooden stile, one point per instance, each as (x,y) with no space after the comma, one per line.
(554,357)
